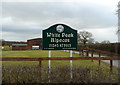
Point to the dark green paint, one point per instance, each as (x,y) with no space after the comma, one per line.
(67,30)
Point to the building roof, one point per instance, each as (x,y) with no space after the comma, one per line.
(19,44)
(36,39)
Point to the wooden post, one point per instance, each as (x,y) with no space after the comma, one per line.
(39,72)
(79,52)
(82,53)
(87,53)
(111,65)
(92,56)
(99,60)
(40,64)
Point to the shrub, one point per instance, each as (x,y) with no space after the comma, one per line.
(33,74)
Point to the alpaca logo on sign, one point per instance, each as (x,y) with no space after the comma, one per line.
(60,28)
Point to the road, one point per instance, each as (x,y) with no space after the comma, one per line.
(115,62)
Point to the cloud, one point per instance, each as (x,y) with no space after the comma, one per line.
(104,34)
(29,18)
(12,36)
(89,15)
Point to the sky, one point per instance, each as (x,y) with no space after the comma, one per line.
(25,19)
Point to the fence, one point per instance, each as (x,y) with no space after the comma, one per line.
(99,52)
(86,50)
(112,57)
(110,47)
(59,58)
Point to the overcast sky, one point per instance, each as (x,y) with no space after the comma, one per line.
(25,20)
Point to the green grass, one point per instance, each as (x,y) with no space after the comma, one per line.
(40,53)
(6,48)
(37,54)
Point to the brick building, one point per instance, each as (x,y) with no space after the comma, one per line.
(19,47)
(31,44)
(34,42)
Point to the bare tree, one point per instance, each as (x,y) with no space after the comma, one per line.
(96,42)
(84,36)
(91,40)
(105,41)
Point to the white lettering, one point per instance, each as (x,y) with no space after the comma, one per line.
(48,34)
(53,35)
(59,40)
(60,45)
(67,35)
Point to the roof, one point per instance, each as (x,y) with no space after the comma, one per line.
(36,39)
(19,44)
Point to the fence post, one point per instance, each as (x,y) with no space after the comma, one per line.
(79,52)
(40,63)
(87,53)
(39,72)
(82,53)
(111,65)
(92,56)
(99,60)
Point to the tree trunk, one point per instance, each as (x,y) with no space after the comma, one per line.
(84,42)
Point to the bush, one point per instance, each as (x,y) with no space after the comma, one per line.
(110,47)
(6,48)
(31,74)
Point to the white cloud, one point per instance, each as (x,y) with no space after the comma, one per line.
(7,20)
(31,18)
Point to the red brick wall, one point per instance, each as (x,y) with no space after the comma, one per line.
(34,42)
(19,48)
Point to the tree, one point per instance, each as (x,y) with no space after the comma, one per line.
(2,42)
(96,42)
(91,40)
(118,31)
(105,41)
(84,36)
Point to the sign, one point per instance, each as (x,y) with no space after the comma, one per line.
(59,37)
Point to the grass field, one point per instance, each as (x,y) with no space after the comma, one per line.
(40,53)
(104,68)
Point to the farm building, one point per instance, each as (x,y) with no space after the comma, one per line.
(19,47)
(34,43)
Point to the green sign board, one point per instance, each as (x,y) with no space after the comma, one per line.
(59,37)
